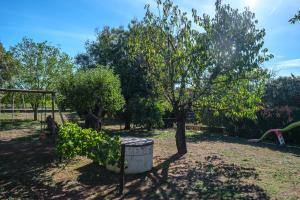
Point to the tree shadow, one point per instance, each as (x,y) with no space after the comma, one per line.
(99,179)
(215,179)
(174,178)
(23,163)
(95,175)
(107,182)
(206,136)
(6,124)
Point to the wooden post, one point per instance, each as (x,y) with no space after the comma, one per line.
(13,108)
(24,106)
(122,166)
(52,98)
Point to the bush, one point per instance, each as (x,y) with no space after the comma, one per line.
(148,113)
(266,119)
(283,91)
(94,92)
(75,141)
(280,108)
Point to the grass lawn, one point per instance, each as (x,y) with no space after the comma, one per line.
(216,167)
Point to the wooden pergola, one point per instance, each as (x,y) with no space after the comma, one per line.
(34,91)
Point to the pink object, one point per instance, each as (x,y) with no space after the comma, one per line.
(279,136)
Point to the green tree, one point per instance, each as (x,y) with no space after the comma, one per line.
(93,93)
(147,112)
(213,67)
(296,18)
(8,66)
(41,65)
(283,91)
(111,49)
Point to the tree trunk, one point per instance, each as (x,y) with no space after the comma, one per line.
(180,133)
(127,119)
(35,111)
(127,123)
(148,126)
(92,121)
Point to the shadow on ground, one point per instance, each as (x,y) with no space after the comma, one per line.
(22,165)
(212,179)
(24,161)
(8,124)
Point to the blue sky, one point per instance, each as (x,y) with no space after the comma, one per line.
(69,23)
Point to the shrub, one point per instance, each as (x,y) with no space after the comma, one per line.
(94,92)
(283,91)
(101,148)
(280,108)
(266,119)
(148,113)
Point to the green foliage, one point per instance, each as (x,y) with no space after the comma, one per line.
(278,108)
(218,67)
(8,66)
(148,112)
(41,65)
(95,90)
(188,65)
(243,98)
(111,49)
(283,91)
(296,18)
(74,141)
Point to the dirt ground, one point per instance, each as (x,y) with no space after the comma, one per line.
(216,167)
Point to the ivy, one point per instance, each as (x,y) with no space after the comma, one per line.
(98,146)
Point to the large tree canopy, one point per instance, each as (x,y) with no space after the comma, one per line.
(111,49)
(41,65)
(217,66)
(93,93)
